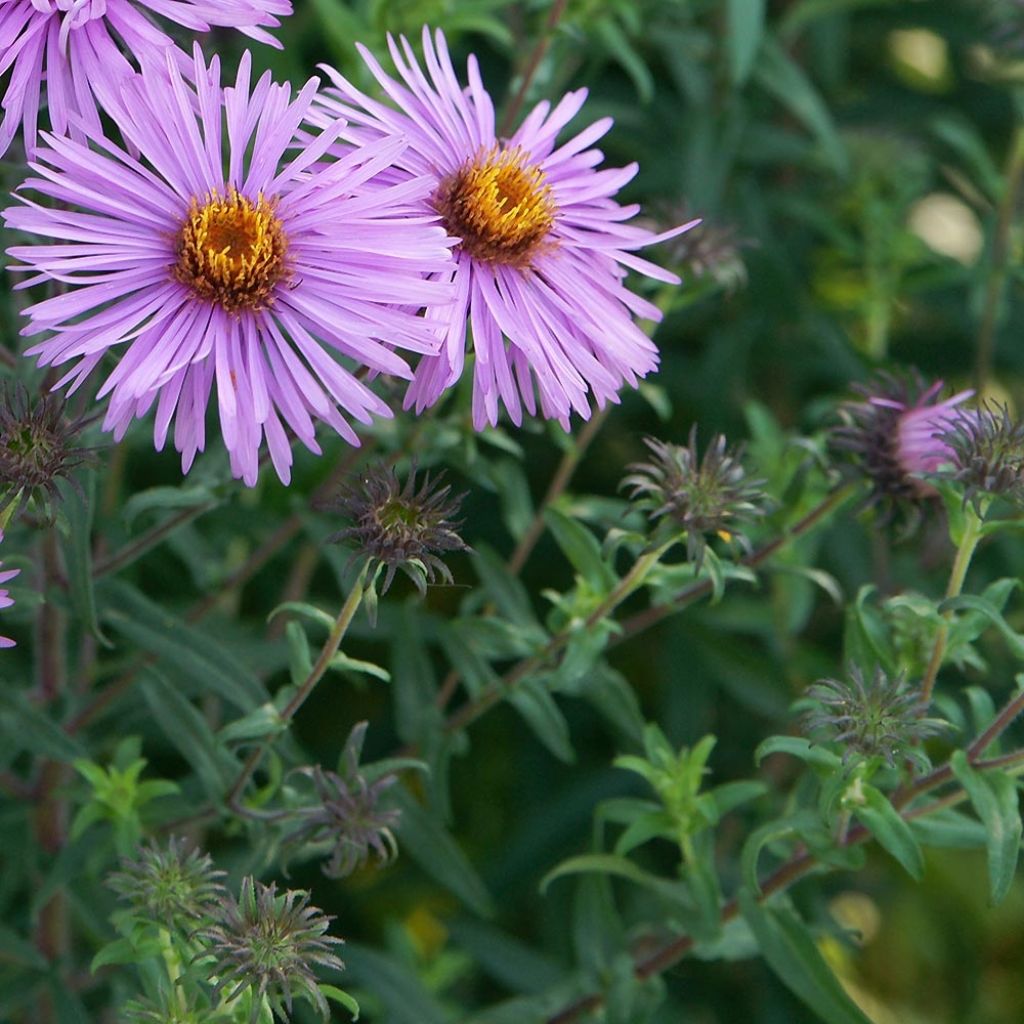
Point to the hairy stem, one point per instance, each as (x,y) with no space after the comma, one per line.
(301,695)
(957,575)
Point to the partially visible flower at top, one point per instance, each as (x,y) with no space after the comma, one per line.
(223,256)
(348,816)
(882,718)
(396,526)
(37,449)
(80,51)
(269,945)
(543,247)
(894,431)
(710,496)
(6,601)
(175,885)
(988,454)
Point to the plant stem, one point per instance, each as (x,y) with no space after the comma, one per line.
(532,64)
(301,695)
(802,862)
(957,575)
(641,621)
(999,265)
(559,482)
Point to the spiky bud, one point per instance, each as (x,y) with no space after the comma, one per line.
(348,817)
(268,944)
(988,454)
(701,497)
(176,886)
(883,718)
(38,447)
(399,527)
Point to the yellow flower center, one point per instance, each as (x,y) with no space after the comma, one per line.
(499,206)
(232,251)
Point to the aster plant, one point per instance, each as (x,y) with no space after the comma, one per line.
(232,263)
(987,447)
(543,247)
(70,57)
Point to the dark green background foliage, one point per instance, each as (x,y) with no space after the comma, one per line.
(813,137)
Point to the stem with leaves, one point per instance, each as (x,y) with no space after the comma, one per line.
(301,695)
(961,563)
(802,862)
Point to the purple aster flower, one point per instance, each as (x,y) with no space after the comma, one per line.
(78,48)
(211,260)
(543,246)
(6,601)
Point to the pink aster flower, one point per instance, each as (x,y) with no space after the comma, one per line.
(896,430)
(210,260)
(78,48)
(543,246)
(6,601)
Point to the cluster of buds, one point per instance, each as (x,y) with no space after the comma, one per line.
(262,947)
(700,497)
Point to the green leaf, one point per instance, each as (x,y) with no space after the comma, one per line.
(402,995)
(745,21)
(582,550)
(539,710)
(341,997)
(189,732)
(620,867)
(784,828)
(778,74)
(26,727)
(20,951)
(196,660)
(798,746)
(883,821)
(308,611)
(78,552)
(343,663)
(791,952)
(507,592)
(994,798)
(166,499)
(513,964)
(427,841)
(1014,640)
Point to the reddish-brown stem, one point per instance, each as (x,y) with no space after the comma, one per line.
(533,63)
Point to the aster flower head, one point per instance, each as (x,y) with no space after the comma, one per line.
(213,261)
(543,247)
(348,816)
(883,718)
(38,447)
(171,883)
(399,526)
(895,433)
(713,495)
(268,944)
(6,601)
(988,454)
(81,50)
